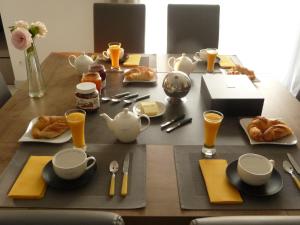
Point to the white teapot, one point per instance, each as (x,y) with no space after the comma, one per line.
(126,125)
(81,63)
(183,63)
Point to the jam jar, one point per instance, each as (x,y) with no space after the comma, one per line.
(93,77)
(97,67)
(87,96)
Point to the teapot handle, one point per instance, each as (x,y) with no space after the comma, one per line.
(171,62)
(71,60)
(148,124)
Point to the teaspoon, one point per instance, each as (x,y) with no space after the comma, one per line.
(106,98)
(127,101)
(113,168)
(117,100)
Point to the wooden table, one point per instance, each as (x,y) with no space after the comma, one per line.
(162,194)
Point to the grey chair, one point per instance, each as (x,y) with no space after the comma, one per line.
(58,217)
(124,23)
(247,220)
(4,91)
(192,27)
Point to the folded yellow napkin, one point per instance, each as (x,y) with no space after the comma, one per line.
(226,61)
(220,191)
(133,60)
(30,183)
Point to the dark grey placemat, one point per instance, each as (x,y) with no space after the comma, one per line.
(201,67)
(192,189)
(93,195)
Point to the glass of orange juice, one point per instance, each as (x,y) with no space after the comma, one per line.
(211,58)
(76,121)
(114,51)
(212,122)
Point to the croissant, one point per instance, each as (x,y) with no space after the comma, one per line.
(276,132)
(139,73)
(49,127)
(264,129)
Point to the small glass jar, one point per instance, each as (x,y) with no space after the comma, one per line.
(93,77)
(87,97)
(97,67)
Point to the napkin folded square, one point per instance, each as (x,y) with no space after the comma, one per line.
(30,183)
(220,191)
(133,60)
(226,61)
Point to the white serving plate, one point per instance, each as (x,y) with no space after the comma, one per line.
(289,140)
(26,137)
(138,110)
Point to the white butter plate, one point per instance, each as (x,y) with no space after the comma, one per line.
(27,137)
(137,109)
(289,140)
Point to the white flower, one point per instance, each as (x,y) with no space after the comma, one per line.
(22,24)
(42,30)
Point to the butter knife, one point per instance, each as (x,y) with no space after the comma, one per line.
(164,125)
(179,124)
(124,189)
(121,94)
(294,163)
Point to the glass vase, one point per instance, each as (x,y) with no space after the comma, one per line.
(36,83)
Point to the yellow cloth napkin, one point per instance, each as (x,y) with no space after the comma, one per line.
(30,183)
(133,60)
(220,191)
(226,61)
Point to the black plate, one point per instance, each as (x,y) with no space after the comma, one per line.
(273,186)
(123,59)
(55,181)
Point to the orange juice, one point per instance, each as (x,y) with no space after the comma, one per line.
(76,121)
(211,57)
(212,121)
(114,49)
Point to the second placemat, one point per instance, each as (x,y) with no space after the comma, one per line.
(192,189)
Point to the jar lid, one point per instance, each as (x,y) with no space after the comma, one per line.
(86,87)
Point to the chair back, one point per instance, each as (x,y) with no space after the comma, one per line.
(247,220)
(4,91)
(192,27)
(58,217)
(123,23)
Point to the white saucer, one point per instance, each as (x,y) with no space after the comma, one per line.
(161,106)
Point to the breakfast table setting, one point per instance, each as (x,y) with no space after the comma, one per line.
(157,140)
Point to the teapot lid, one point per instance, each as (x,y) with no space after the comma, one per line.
(126,114)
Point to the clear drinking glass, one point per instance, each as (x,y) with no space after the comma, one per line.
(211,58)
(212,122)
(114,50)
(76,121)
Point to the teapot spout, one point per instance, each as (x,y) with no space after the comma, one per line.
(109,121)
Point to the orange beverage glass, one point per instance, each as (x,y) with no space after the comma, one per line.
(211,58)
(212,122)
(76,121)
(114,50)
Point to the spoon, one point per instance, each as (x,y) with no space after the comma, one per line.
(117,100)
(289,169)
(113,168)
(127,101)
(106,98)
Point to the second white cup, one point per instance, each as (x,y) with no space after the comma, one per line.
(71,163)
(106,53)
(254,169)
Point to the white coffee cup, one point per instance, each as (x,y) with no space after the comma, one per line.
(202,55)
(106,53)
(71,163)
(254,169)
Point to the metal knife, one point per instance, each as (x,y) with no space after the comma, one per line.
(121,95)
(131,96)
(289,169)
(164,125)
(179,124)
(294,163)
(125,175)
